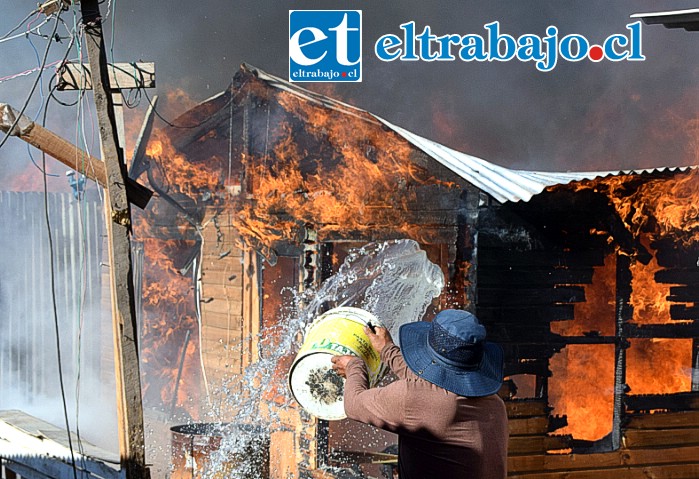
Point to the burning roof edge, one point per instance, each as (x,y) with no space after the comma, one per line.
(503,184)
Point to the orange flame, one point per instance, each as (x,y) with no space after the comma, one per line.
(355,177)
(180,174)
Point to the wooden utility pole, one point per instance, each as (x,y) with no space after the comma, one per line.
(65,152)
(129,405)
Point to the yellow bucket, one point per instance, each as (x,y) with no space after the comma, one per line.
(312,381)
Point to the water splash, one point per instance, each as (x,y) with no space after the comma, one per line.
(393,280)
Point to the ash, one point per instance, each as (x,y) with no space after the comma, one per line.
(326,386)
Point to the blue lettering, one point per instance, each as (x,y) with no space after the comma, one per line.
(551,41)
(494,39)
(425,39)
(445,43)
(581,47)
(409,33)
(473,48)
(609,50)
(543,51)
(529,48)
(635,54)
(385,44)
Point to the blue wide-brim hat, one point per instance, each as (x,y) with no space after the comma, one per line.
(451,352)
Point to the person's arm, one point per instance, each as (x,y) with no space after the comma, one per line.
(381,407)
(392,357)
(382,341)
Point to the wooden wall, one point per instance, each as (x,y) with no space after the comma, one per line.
(660,445)
(230,311)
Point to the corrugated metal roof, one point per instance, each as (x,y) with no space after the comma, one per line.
(503,184)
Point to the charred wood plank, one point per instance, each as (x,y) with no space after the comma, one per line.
(671,254)
(541,350)
(669,402)
(436,197)
(670,331)
(525,277)
(530,296)
(518,331)
(683,312)
(624,313)
(683,294)
(544,260)
(688,276)
(538,367)
(526,314)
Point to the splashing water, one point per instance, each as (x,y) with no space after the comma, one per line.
(393,280)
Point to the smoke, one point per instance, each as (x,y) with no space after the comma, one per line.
(580,116)
(29,367)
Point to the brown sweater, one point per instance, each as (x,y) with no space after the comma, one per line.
(441,435)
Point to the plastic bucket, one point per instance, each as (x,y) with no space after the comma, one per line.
(312,381)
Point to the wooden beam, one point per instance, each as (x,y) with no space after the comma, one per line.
(635,438)
(128,380)
(522,466)
(534,444)
(667,471)
(671,331)
(528,426)
(664,420)
(67,153)
(624,314)
(122,76)
(529,297)
(517,408)
(671,402)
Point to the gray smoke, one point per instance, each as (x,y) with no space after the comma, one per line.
(580,116)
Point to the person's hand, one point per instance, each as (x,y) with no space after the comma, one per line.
(340,364)
(380,338)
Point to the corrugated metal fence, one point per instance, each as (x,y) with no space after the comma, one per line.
(28,360)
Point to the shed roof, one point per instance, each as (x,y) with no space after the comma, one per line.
(503,184)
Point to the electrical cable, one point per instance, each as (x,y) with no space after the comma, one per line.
(26,33)
(33,89)
(52,269)
(51,95)
(28,72)
(41,92)
(167,122)
(19,24)
(55,309)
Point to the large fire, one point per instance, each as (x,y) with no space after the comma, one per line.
(308,167)
(172,373)
(654,210)
(339,173)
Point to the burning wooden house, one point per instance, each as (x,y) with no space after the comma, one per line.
(586,279)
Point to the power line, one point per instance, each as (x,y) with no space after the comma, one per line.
(24,34)
(36,82)
(55,306)
(230,100)
(19,24)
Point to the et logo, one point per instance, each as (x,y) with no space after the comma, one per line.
(325,45)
